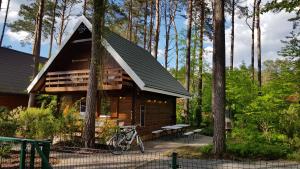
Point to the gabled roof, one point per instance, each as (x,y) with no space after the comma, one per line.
(139,64)
(15,70)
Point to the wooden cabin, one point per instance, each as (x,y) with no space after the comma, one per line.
(15,71)
(137,89)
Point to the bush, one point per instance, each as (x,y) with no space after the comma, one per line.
(106,130)
(258,150)
(37,123)
(8,124)
(5,149)
(70,123)
(206,150)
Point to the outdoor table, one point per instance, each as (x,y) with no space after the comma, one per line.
(182,125)
(172,128)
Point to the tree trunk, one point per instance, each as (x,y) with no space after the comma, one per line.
(84,7)
(167,30)
(145,24)
(218,84)
(258,43)
(130,21)
(52,29)
(157,29)
(95,67)
(177,50)
(232,34)
(37,47)
(151,26)
(188,57)
(62,22)
(5,22)
(193,64)
(0,4)
(252,40)
(200,65)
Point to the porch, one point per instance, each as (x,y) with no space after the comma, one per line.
(77,80)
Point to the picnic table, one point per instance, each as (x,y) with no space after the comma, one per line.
(177,129)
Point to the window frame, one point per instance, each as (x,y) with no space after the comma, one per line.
(144,115)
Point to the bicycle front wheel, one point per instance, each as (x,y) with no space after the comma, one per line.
(114,145)
(140,144)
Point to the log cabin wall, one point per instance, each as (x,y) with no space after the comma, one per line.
(160,110)
(12,101)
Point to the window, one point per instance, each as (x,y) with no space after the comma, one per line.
(105,106)
(82,107)
(142,115)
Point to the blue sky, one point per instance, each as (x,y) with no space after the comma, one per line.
(274,28)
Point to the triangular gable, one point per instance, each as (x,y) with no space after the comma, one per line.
(139,82)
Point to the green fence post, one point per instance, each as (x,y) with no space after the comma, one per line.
(46,152)
(23,155)
(174,160)
(32,156)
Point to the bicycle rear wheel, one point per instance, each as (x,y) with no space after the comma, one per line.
(140,144)
(114,144)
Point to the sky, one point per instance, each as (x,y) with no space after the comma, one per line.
(274,28)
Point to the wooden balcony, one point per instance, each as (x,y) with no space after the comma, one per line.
(77,80)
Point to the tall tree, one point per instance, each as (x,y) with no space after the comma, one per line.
(130,20)
(84,8)
(258,42)
(0,4)
(150,27)
(4,23)
(176,49)
(232,34)
(145,23)
(52,28)
(37,47)
(157,28)
(95,66)
(66,8)
(200,63)
(252,28)
(188,57)
(218,84)
(170,8)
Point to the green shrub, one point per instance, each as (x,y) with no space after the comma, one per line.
(5,149)
(8,124)
(295,156)
(206,150)
(69,123)
(105,130)
(258,150)
(37,123)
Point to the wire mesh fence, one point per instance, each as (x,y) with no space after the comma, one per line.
(62,157)
(68,157)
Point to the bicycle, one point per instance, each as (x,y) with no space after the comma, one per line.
(121,141)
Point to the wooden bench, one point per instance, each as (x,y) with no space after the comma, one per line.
(188,135)
(197,132)
(156,133)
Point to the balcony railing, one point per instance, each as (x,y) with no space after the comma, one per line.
(77,80)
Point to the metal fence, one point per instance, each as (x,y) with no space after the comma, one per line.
(62,157)
(68,157)
(24,153)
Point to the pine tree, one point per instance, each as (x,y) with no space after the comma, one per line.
(218,85)
(157,27)
(37,46)
(188,56)
(95,67)
(5,22)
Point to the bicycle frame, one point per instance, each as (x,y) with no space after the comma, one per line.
(134,135)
